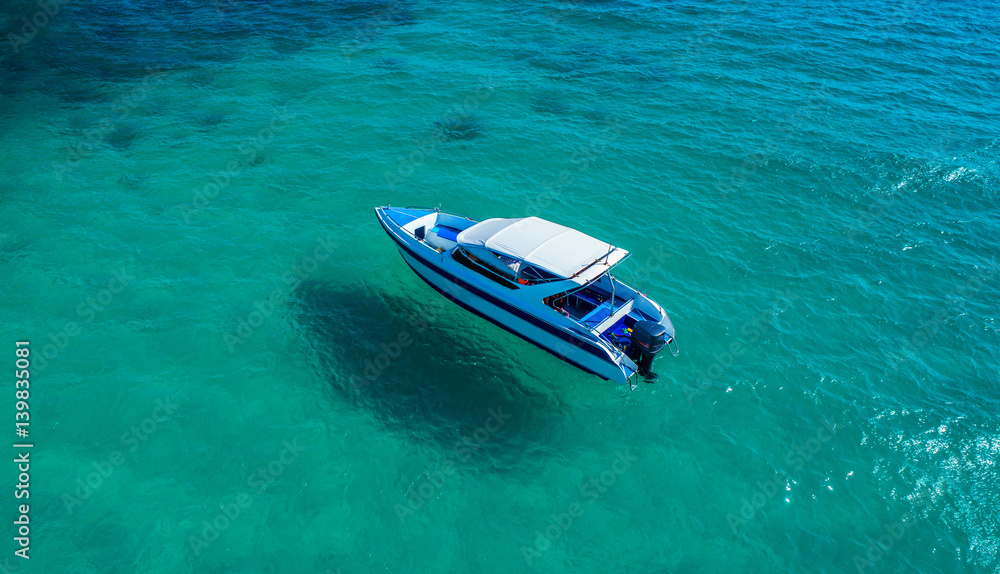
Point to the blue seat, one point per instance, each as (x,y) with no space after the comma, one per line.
(445,232)
(602,312)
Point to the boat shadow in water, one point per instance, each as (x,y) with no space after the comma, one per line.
(422,366)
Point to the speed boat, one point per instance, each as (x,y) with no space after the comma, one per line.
(548,284)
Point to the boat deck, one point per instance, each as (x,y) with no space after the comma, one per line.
(590,309)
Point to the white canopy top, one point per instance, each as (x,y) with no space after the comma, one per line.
(553,247)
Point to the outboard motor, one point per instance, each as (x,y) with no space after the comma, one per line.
(648,339)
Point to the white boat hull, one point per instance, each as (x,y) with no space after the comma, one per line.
(565,350)
(516,308)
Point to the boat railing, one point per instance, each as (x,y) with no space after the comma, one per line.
(438,209)
(672,347)
(421,207)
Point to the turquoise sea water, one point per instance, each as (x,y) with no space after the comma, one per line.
(234,371)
